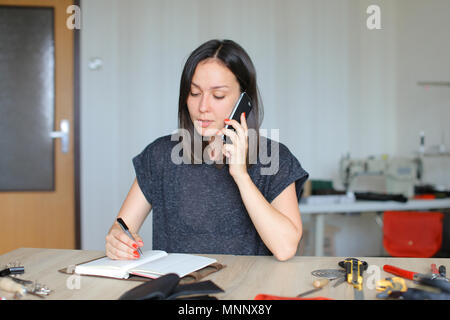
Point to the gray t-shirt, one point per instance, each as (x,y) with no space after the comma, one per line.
(197,208)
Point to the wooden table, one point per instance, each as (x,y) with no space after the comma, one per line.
(243,278)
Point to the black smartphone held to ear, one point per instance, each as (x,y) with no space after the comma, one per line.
(244,104)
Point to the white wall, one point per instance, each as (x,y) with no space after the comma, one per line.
(99,116)
(424,55)
(328,83)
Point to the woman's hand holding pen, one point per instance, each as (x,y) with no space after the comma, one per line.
(236,152)
(119,246)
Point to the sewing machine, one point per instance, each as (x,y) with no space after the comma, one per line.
(400,173)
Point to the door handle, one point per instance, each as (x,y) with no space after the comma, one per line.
(63,134)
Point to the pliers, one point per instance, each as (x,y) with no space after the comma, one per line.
(411,275)
(435,280)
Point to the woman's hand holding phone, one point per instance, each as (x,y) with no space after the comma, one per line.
(236,152)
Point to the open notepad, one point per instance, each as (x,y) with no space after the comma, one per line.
(152,264)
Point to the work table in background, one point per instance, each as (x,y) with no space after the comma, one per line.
(243,277)
(320,211)
(370,206)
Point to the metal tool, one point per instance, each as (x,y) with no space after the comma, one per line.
(330,274)
(340,281)
(318,285)
(354,269)
(22,281)
(411,275)
(22,287)
(431,286)
(12,269)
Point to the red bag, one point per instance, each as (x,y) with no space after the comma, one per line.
(412,234)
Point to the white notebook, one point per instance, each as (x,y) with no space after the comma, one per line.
(152,264)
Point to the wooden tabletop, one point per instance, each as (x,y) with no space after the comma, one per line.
(243,278)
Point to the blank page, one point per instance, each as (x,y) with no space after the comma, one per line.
(116,268)
(179,263)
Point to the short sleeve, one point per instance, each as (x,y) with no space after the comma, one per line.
(289,171)
(147,173)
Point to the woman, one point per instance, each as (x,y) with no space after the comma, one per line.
(201,205)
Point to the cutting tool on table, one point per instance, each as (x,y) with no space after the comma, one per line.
(354,269)
(412,275)
(317,284)
(331,274)
(352,274)
(22,287)
(10,283)
(431,286)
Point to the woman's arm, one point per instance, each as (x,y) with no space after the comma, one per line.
(278,224)
(134,210)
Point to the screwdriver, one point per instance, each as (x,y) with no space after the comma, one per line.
(317,284)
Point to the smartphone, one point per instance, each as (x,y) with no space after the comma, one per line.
(244,104)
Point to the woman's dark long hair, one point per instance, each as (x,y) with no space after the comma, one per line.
(234,57)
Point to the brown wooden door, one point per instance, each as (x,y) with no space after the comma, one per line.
(37,206)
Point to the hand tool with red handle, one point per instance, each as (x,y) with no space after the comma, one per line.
(400,272)
(411,275)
